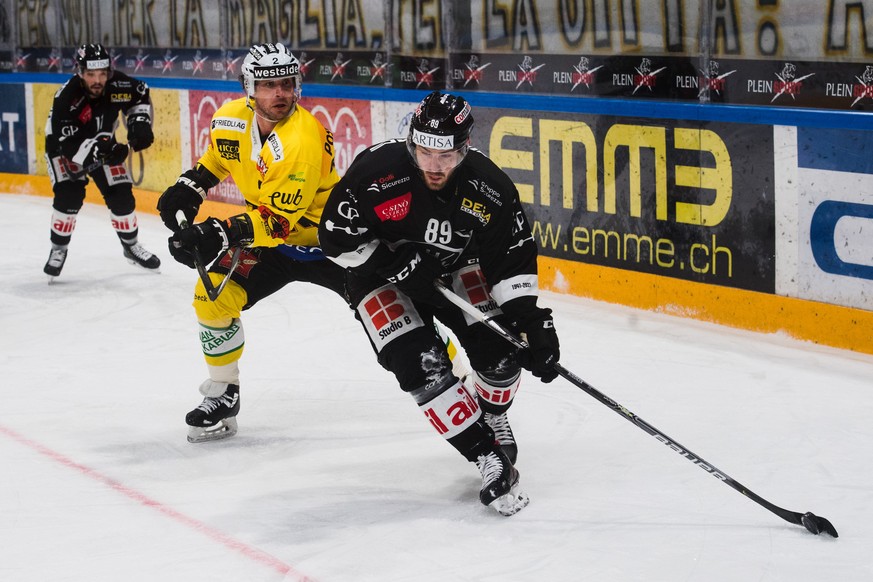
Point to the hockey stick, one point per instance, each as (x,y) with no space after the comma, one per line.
(809,520)
(211,290)
(87,169)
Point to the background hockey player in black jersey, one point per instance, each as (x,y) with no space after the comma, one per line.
(80,143)
(407,213)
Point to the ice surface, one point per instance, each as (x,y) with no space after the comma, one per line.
(335,475)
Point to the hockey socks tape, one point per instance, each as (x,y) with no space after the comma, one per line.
(453,411)
(496,393)
(222,345)
(63,224)
(124,224)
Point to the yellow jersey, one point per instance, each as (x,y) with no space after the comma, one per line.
(285,178)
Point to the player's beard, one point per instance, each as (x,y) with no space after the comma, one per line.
(277,111)
(435,180)
(95,90)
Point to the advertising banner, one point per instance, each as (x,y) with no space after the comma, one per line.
(349,121)
(825,193)
(43,96)
(809,54)
(13,129)
(672,198)
(160,165)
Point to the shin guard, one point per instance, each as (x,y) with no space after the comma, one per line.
(125,227)
(63,225)
(495,395)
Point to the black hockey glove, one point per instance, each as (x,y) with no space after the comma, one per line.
(108,152)
(206,240)
(201,242)
(414,273)
(543,350)
(184,195)
(139,132)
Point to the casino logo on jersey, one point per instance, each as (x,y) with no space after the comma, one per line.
(394,209)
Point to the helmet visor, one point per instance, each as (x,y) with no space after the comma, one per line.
(435,153)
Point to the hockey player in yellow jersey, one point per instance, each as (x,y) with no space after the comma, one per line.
(282,160)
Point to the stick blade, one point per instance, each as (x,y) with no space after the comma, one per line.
(817,525)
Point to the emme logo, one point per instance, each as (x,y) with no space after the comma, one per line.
(636,194)
(715,178)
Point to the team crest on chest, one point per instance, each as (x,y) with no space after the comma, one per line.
(262,167)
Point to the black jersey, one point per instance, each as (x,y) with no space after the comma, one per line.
(382,203)
(76,119)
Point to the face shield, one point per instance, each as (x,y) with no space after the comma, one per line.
(433,153)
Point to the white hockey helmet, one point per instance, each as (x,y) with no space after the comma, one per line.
(269,62)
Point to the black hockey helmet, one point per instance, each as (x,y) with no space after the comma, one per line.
(93,56)
(441,122)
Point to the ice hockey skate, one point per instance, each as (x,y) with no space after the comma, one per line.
(137,255)
(55,263)
(500,484)
(499,423)
(215,417)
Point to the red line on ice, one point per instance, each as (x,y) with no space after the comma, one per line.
(200,527)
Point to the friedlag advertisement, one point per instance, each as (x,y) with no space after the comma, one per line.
(670,198)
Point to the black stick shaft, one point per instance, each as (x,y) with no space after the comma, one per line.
(809,521)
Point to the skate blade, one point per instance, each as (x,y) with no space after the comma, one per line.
(512,502)
(224,429)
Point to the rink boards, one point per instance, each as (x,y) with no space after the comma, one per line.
(730,217)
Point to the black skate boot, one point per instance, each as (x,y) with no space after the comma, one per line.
(55,263)
(499,423)
(215,418)
(137,255)
(500,488)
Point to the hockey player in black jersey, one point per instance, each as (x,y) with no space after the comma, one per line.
(80,143)
(408,212)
